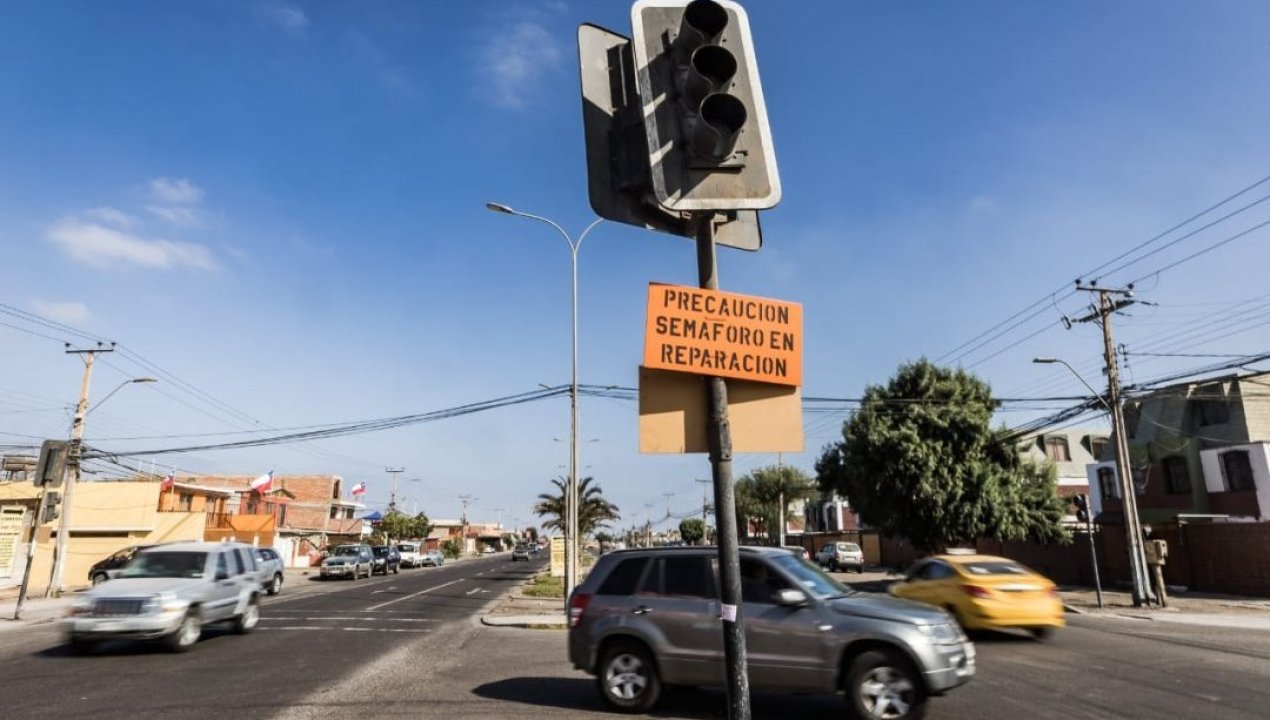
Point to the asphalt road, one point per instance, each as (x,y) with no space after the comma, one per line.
(410,646)
(321,647)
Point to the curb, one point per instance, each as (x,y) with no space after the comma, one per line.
(535,624)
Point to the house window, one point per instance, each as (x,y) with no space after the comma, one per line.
(335,490)
(1107,482)
(1213,407)
(1237,470)
(186,501)
(282,514)
(1097,445)
(1177,476)
(1056,449)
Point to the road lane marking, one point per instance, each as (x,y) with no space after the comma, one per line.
(345,618)
(473,591)
(417,631)
(421,592)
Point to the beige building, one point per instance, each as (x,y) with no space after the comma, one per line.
(106,517)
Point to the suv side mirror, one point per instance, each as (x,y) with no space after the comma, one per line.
(221,575)
(789,597)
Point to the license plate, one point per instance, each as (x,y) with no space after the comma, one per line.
(108,626)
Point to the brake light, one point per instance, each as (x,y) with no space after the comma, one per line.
(1053,591)
(976,591)
(577,606)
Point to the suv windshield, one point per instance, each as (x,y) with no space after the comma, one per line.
(407,548)
(380,550)
(166,565)
(811,578)
(345,550)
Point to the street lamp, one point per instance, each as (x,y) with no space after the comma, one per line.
(571,494)
(1129,501)
(119,387)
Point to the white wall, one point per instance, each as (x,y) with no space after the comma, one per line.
(1258,457)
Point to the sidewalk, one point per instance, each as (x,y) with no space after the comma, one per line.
(518,610)
(1202,609)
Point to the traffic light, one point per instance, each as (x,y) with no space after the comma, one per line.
(709,143)
(1082,507)
(49,508)
(52,463)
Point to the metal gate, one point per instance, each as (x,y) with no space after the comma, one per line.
(12,520)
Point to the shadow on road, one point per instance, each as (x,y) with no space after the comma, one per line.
(129,647)
(703,704)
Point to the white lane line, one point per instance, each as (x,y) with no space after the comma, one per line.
(421,592)
(347,629)
(473,591)
(356,619)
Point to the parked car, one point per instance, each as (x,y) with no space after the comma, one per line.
(387,559)
(521,552)
(170,593)
(798,550)
(411,556)
(271,569)
(488,550)
(106,569)
(644,619)
(348,561)
(839,555)
(432,558)
(985,592)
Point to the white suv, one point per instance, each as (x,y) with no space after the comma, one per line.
(168,593)
(841,555)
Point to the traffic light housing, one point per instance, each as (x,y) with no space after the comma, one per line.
(1082,507)
(705,121)
(51,466)
(49,508)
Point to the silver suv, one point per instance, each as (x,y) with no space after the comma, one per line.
(648,618)
(168,593)
(838,555)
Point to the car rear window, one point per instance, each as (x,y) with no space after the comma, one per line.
(624,578)
(686,576)
(994,567)
(849,547)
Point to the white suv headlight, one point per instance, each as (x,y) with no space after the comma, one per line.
(942,633)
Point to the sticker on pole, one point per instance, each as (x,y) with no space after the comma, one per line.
(708,332)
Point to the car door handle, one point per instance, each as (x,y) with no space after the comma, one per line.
(642,610)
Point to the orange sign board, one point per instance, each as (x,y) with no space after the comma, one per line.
(708,332)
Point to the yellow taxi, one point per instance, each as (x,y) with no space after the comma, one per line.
(985,593)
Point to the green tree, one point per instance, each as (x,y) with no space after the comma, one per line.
(759,496)
(692,530)
(604,538)
(452,548)
(594,511)
(400,526)
(919,459)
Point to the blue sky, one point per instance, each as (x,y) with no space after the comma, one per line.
(282,203)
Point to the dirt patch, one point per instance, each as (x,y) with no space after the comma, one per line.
(517,602)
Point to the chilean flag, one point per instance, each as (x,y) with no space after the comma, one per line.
(168,482)
(359,489)
(263,483)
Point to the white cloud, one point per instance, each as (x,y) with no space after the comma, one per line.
(112,216)
(100,246)
(177,215)
(515,59)
(175,192)
(284,15)
(67,312)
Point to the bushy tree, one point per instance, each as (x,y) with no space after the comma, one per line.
(759,495)
(919,459)
(692,530)
(396,526)
(452,548)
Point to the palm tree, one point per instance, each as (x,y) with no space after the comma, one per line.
(594,511)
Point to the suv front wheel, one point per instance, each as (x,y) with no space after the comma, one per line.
(881,685)
(187,633)
(628,678)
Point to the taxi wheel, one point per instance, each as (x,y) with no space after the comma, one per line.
(1041,634)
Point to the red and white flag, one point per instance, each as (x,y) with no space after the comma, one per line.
(359,489)
(263,483)
(168,482)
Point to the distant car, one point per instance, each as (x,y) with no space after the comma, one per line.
(169,593)
(642,621)
(985,592)
(798,550)
(411,556)
(110,567)
(488,550)
(349,561)
(271,569)
(839,555)
(387,559)
(521,552)
(432,558)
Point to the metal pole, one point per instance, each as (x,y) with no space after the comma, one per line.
(30,555)
(719,434)
(1093,555)
(571,504)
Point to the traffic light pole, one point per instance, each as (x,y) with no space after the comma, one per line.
(1093,555)
(30,554)
(719,434)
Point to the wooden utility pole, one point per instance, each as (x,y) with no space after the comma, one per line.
(1107,306)
(72,466)
(392,497)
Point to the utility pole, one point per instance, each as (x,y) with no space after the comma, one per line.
(72,463)
(705,508)
(392,497)
(466,499)
(781,508)
(1107,306)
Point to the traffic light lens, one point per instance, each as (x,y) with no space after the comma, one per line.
(706,18)
(715,65)
(720,121)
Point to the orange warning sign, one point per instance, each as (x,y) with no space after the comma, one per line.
(708,332)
